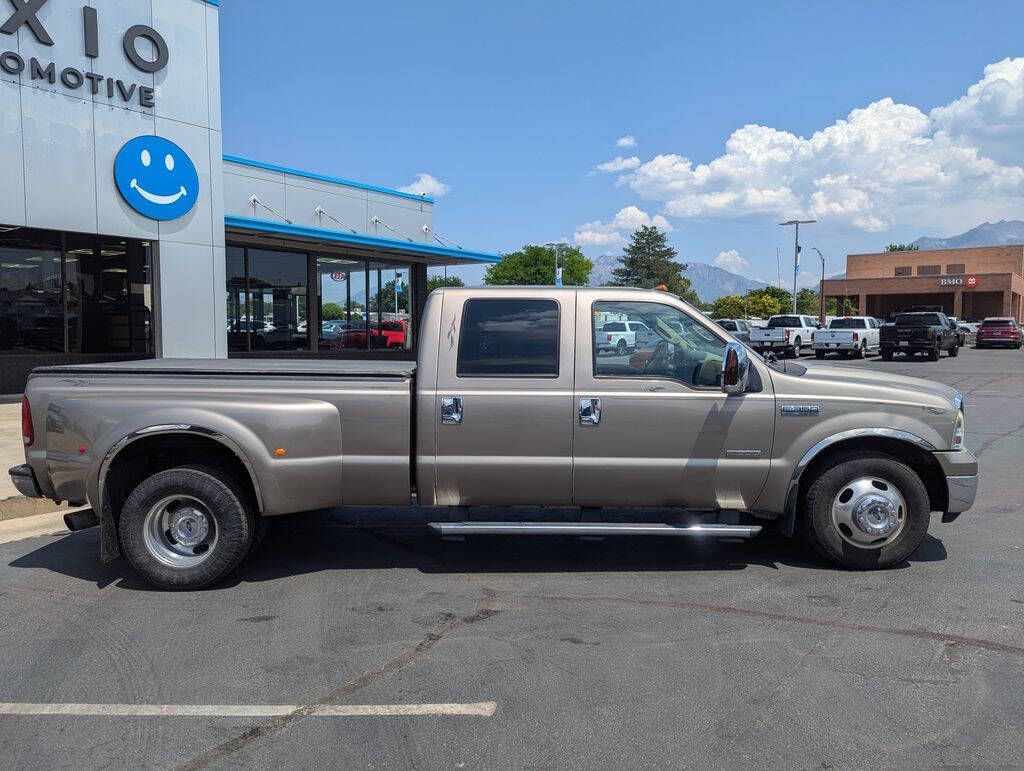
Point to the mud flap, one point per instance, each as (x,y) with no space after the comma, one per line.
(110,547)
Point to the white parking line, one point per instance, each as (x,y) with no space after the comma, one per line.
(475,709)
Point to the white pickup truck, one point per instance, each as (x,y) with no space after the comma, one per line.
(623,337)
(845,335)
(787,334)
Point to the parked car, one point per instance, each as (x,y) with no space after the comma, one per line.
(182,477)
(919,332)
(623,337)
(1001,331)
(786,334)
(857,335)
(739,327)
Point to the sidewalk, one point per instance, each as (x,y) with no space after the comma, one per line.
(12,451)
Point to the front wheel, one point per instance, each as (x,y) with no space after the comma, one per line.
(955,350)
(187,527)
(866,511)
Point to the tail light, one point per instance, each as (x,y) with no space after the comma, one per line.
(28,434)
(787,334)
(609,337)
(856,337)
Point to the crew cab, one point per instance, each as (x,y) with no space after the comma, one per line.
(786,334)
(1000,331)
(927,332)
(845,335)
(508,405)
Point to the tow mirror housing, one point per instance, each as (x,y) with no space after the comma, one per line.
(735,369)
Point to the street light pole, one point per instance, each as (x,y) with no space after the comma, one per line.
(796,251)
(821,289)
(553,245)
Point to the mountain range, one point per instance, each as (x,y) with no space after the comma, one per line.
(986,234)
(709,281)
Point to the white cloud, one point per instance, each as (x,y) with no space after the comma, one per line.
(426,184)
(631,218)
(882,164)
(627,141)
(731,261)
(618,163)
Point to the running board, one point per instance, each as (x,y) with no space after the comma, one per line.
(594,528)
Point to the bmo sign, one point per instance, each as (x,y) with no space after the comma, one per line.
(968,281)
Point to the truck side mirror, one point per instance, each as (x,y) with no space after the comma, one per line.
(735,369)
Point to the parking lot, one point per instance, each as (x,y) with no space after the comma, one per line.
(356,638)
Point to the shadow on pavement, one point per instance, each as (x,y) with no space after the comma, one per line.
(338,539)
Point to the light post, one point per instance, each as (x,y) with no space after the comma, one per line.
(796,251)
(821,289)
(553,245)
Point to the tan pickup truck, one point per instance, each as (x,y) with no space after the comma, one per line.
(514,403)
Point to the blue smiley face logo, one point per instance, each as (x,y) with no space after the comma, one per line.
(156,178)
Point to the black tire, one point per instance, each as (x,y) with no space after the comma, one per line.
(819,354)
(223,498)
(620,348)
(933,353)
(886,355)
(816,514)
(798,347)
(862,350)
(954,351)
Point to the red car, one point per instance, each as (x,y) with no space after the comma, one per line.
(999,330)
(387,334)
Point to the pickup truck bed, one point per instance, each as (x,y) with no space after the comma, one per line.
(345,426)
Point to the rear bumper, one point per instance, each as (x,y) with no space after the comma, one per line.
(24,479)
(961,471)
(847,346)
(1009,342)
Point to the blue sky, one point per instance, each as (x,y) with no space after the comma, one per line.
(877,118)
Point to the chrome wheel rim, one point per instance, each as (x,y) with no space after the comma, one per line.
(869,512)
(179,531)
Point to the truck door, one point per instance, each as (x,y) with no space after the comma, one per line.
(504,390)
(654,428)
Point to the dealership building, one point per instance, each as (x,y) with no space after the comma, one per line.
(125,232)
(967,283)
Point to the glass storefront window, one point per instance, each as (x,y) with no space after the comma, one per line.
(74,293)
(357,305)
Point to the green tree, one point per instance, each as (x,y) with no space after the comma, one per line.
(386,297)
(534,265)
(435,281)
(762,305)
(807,302)
(901,248)
(781,296)
(648,261)
(730,306)
(833,307)
(332,312)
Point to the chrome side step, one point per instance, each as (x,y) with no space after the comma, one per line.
(594,528)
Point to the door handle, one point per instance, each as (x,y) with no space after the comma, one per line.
(590,411)
(451,409)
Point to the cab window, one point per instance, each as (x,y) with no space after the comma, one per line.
(509,338)
(678,348)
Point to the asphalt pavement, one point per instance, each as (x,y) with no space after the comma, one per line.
(357,639)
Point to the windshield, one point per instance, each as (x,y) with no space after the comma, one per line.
(730,325)
(784,321)
(847,324)
(918,320)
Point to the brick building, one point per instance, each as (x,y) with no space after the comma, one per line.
(968,283)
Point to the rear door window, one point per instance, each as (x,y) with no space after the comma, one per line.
(509,338)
